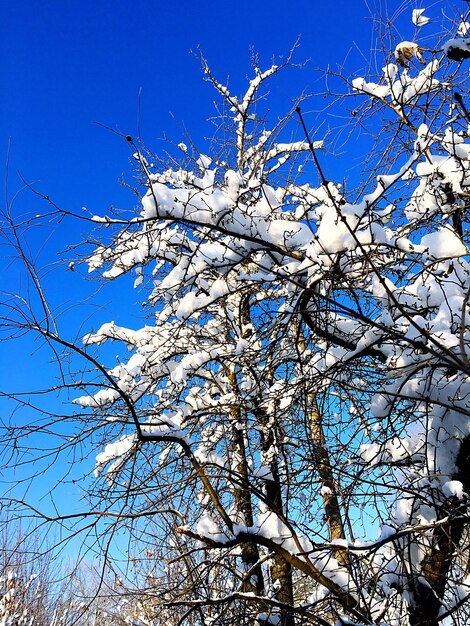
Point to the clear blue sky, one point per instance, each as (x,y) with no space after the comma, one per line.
(66,65)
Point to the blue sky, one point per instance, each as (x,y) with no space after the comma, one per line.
(67,65)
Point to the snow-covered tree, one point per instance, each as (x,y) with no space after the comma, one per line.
(303,373)
(34,587)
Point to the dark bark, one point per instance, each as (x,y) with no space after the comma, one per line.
(281,569)
(330,494)
(438,562)
(249,551)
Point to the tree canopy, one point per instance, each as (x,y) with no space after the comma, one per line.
(302,378)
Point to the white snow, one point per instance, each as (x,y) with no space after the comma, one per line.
(453,488)
(418,18)
(444,244)
(457,44)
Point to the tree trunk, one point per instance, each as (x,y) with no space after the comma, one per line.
(329,486)
(281,570)
(249,551)
(253,582)
(438,562)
